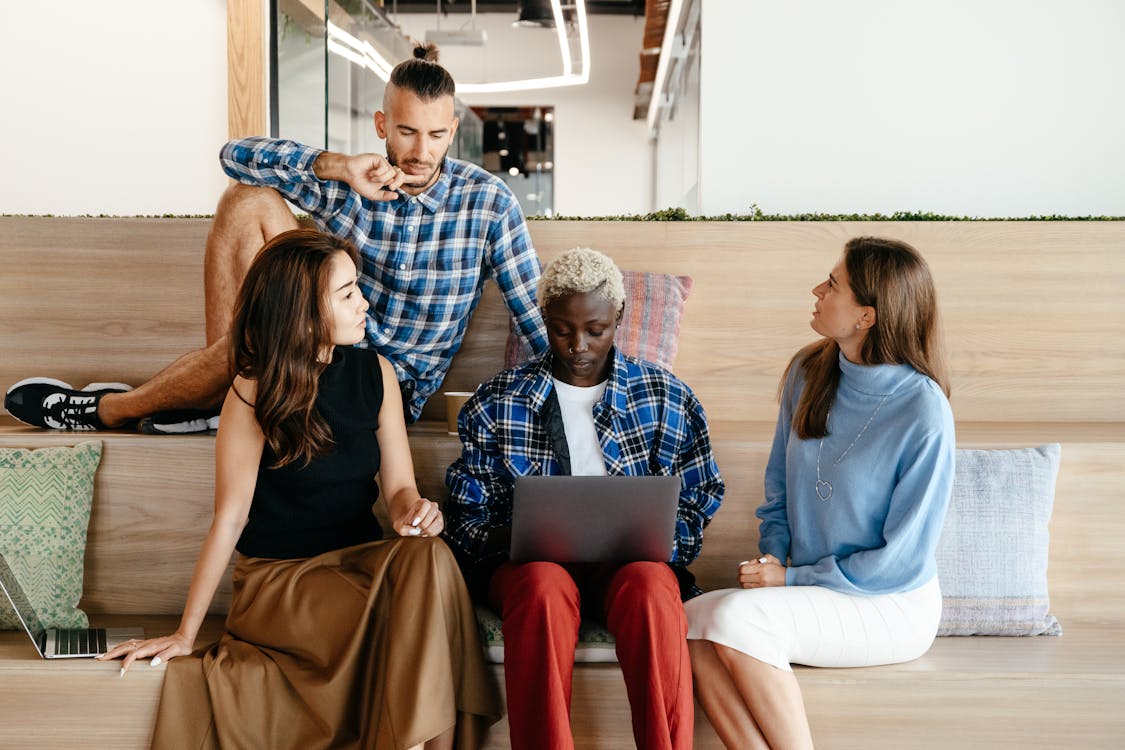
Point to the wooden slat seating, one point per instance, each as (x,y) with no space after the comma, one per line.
(1035,318)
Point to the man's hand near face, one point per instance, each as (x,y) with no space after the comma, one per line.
(370,175)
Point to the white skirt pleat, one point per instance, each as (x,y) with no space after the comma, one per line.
(818,627)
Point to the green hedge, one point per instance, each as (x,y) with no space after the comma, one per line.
(756,214)
(679,214)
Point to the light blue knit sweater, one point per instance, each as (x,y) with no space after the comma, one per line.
(877,532)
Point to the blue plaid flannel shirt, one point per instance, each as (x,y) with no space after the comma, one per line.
(424,258)
(648,422)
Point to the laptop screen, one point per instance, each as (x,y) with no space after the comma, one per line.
(22,606)
(594,518)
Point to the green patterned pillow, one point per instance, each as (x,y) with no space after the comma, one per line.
(45,499)
(595,643)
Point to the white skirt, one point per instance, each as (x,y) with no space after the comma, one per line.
(818,627)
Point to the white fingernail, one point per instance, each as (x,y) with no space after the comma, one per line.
(155,662)
(121,673)
(415,532)
(763,559)
(416,521)
(744,562)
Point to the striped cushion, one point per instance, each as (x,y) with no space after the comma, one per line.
(650,326)
(45,499)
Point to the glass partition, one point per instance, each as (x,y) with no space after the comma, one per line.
(324,86)
(519,147)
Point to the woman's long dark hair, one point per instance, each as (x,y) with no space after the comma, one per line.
(893,278)
(281,326)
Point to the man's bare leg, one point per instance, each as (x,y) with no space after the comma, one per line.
(245,219)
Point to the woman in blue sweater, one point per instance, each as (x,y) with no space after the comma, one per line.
(857,485)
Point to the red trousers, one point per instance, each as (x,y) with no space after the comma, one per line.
(541,605)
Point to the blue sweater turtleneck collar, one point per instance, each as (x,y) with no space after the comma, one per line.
(875,380)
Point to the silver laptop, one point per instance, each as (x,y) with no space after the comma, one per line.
(55,643)
(594,519)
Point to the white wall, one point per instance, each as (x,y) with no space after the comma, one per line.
(974,107)
(119,107)
(114,107)
(998,108)
(603,157)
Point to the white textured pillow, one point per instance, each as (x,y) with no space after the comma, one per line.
(992,556)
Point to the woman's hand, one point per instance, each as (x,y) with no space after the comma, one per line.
(423,518)
(161,649)
(767,570)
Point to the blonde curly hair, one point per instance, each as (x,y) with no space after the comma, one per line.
(581,270)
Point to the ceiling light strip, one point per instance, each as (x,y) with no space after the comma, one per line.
(528,84)
(361,53)
(560,29)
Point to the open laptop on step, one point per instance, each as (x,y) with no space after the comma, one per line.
(55,643)
(594,519)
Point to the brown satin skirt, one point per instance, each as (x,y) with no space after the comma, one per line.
(373,646)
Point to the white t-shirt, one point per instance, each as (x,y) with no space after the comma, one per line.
(577,406)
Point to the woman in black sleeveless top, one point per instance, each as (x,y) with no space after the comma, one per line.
(334,638)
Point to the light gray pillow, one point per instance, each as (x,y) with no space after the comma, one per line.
(992,556)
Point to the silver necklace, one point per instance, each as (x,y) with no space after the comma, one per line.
(823,486)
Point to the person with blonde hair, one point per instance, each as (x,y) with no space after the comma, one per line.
(584,408)
(336,638)
(857,486)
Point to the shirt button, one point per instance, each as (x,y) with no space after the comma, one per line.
(402,266)
(387,331)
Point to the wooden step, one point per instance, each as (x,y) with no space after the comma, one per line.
(966,692)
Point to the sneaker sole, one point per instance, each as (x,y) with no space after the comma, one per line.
(185,427)
(112,387)
(38,381)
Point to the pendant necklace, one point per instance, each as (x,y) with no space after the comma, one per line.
(823,486)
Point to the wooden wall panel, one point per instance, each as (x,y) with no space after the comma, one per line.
(246,79)
(1034,311)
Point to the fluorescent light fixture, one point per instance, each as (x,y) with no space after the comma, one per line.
(357,51)
(674,10)
(363,54)
(568,78)
(560,29)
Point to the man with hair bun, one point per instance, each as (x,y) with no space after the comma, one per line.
(583,408)
(430,231)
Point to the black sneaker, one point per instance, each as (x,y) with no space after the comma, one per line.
(45,402)
(181,422)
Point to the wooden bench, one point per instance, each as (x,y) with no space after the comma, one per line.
(1036,322)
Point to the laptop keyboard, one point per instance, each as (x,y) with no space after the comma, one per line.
(71,642)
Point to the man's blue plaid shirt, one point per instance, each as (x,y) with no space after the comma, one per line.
(648,422)
(424,258)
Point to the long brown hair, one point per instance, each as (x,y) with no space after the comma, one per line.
(281,325)
(892,277)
